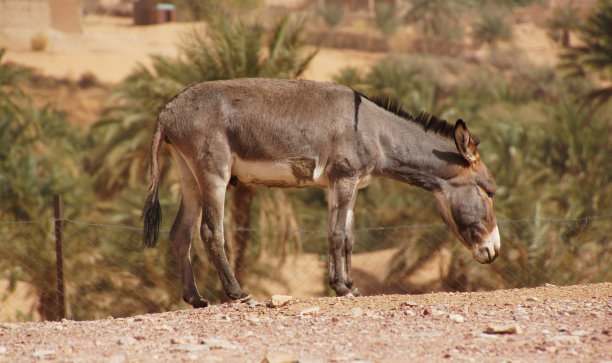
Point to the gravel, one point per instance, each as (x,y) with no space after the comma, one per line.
(548,323)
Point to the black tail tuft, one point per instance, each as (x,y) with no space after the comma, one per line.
(151,215)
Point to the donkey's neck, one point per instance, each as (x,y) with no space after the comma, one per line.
(412,155)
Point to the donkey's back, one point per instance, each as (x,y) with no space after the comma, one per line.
(279,133)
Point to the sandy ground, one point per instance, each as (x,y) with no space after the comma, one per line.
(545,324)
(110,47)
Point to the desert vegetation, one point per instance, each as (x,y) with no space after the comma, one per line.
(545,131)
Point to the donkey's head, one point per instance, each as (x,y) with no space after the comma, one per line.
(465,200)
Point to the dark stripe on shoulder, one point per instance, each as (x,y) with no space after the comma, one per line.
(357,96)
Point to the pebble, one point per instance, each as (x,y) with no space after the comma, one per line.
(503,329)
(218,343)
(564,339)
(43,353)
(456,318)
(278,357)
(277,301)
(355,312)
(2,349)
(533,298)
(580,333)
(127,340)
(410,303)
(192,348)
(311,310)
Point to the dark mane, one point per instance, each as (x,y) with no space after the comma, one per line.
(427,121)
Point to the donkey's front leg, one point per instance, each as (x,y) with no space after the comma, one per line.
(211,230)
(350,242)
(341,193)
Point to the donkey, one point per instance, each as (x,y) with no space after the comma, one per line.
(298,133)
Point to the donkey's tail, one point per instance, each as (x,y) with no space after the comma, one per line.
(151,212)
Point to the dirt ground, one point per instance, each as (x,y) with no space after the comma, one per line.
(545,324)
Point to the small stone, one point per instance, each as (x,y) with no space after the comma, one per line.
(456,318)
(311,310)
(278,357)
(410,303)
(428,311)
(254,319)
(564,339)
(503,329)
(218,343)
(533,298)
(192,348)
(2,349)
(355,312)
(127,340)
(277,301)
(177,341)
(409,313)
(43,353)
(580,333)
(117,358)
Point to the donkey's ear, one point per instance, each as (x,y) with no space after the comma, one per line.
(465,144)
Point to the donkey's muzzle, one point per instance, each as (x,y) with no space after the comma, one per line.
(488,250)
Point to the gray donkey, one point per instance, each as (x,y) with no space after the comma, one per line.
(297,133)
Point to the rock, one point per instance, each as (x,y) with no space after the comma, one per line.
(311,310)
(277,301)
(504,329)
(127,340)
(428,311)
(44,353)
(355,312)
(192,348)
(218,343)
(580,333)
(410,303)
(564,339)
(533,298)
(409,313)
(2,349)
(456,318)
(278,357)
(177,341)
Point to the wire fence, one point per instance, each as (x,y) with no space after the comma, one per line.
(107,273)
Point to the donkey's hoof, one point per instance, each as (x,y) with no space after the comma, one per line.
(198,302)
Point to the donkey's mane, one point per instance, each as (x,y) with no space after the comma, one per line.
(427,121)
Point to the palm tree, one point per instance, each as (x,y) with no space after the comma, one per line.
(438,21)
(564,20)
(594,56)
(38,158)
(385,18)
(491,28)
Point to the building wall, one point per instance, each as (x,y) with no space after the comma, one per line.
(63,15)
(25,14)
(67,15)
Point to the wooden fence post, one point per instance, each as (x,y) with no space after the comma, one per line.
(57,208)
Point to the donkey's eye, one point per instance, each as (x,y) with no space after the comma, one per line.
(490,194)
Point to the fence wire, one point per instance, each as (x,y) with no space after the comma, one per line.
(107,273)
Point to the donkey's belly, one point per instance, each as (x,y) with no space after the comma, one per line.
(291,173)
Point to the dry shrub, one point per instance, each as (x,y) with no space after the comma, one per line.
(39,41)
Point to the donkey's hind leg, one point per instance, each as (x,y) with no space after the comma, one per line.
(182,231)
(213,190)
